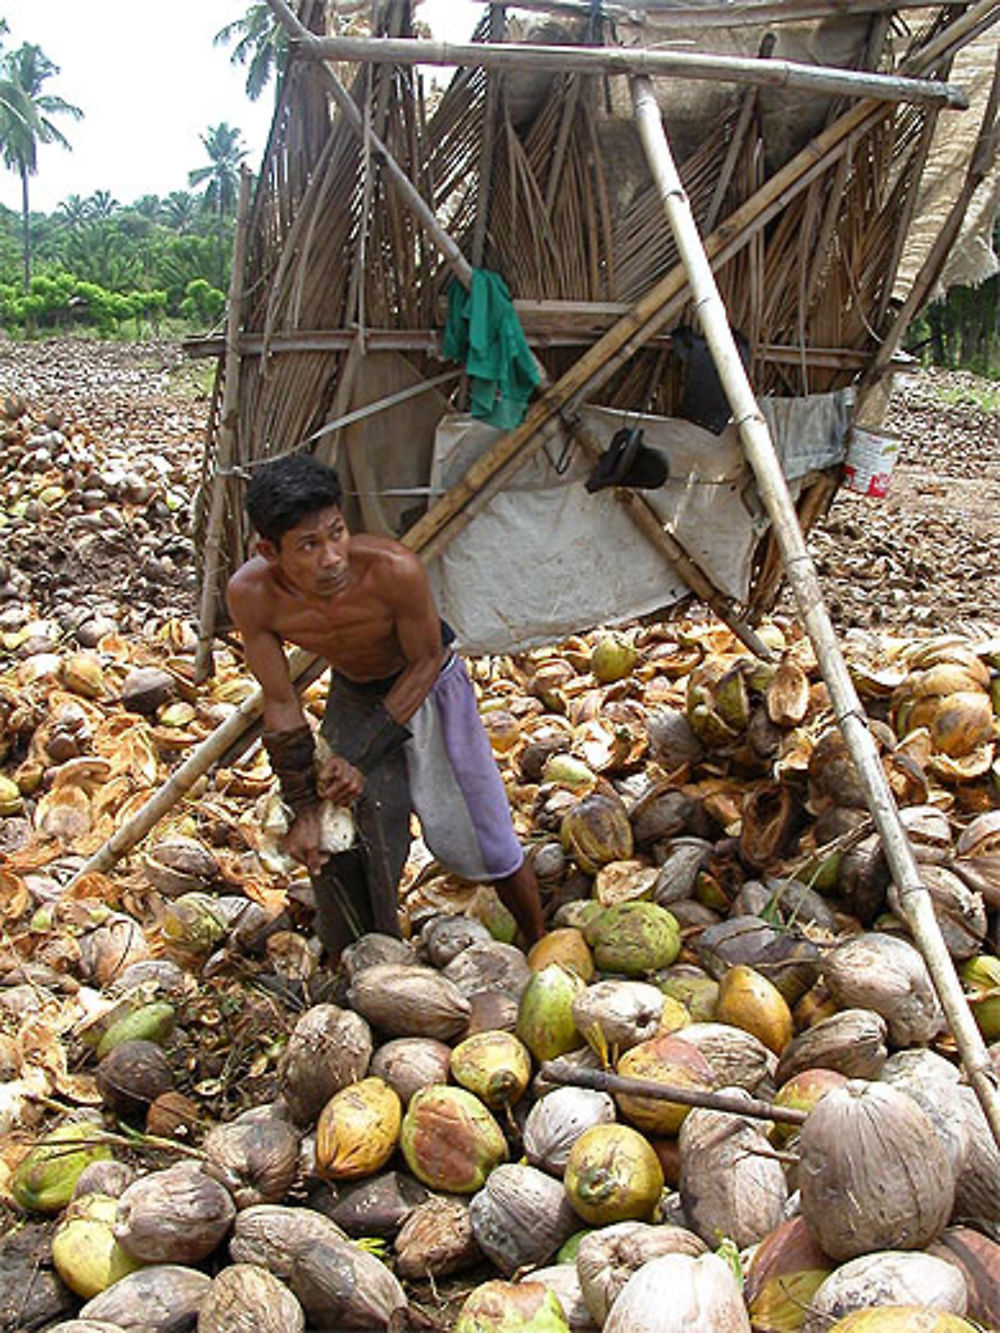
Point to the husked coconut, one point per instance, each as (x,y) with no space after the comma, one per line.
(887,975)
(164,1298)
(329,1048)
(404,1001)
(248,1299)
(933,1083)
(436,1239)
(618,1013)
(607,1259)
(888,1277)
(730,1184)
(177,1216)
(872,1172)
(556,1121)
(738,1058)
(677,1294)
(520,1216)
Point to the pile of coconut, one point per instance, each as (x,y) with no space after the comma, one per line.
(718,1095)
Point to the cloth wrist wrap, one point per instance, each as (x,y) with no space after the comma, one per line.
(293,762)
(388,736)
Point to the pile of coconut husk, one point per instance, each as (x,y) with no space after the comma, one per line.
(205,1128)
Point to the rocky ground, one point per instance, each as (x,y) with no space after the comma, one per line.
(928,556)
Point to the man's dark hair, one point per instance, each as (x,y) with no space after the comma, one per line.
(283,493)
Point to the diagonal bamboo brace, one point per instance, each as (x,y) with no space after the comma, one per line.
(802,576)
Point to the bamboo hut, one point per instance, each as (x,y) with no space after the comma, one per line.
(825,153)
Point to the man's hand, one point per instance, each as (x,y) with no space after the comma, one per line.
(338,781)
(302,841)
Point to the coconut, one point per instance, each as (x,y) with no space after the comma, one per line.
(409,1001)
(785,1272)
(177,1216)
(703,1295)
(662,1060)
(257,1161)
(372,950)
(738,1058)
(104,1178)
(173,1116)
(901,1319)
(410,1063)
(357,1130)
(45,1178)
(978,1259)
(978,859)
(450,1140)
(557,1120)
(162,1299)
(151,1022)
(520,1217)
(508,1307)
(617,1015)
(612,658)
(749,1001)
(84,1250)
(692,987)
(132,1075)
(436,1239)
(672,740)
(887,975)
(496,1066)
(730,1184)
(932,1082)
(634,938)
(788,960)
(489,965)
(562,1281)
(660,814)
(545,1017)
(889,1277)
(248,1299)
(607,1259)
(612,1175)
(872,1172)
(802,1093)
(852,1042)
(960,911)
(377,1206)
(566,946)
(110,948)
(329,1048)
(977,1189)
(180,865)
(343,1287)
(595,831)
(491,1011)
(272,1236)
(444,937)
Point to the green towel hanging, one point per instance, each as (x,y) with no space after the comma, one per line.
(484,332)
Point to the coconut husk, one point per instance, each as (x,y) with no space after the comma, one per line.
(343,1287)
(329,1048)
(444,937)
(889,976)
(852,1042)
(933,1083)
(960,910)
(607,1259)
(436,1239)
(489,965)
(248,1299)
(891,1277)
(788,960)
(977,1189)
(271,1236)
(164,1298)
(373,949)
(617,1015)
(521,1217)
(404,1001)
(978,1258)
(256,1160)
(703,1294)
(177,1216)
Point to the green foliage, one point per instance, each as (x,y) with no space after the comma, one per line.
(202,304)
(61,300)
(962,331)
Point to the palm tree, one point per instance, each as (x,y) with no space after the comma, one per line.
(178,211)
(261,45)
(75,210)
(25,123)
(102,204)
(222,144)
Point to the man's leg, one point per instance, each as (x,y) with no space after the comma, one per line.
(519,894)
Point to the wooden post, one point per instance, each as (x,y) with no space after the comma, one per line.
(635,60)
(802,576)
(203,662)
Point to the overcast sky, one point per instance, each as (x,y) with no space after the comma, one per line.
(150,83)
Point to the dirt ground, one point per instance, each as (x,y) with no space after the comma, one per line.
(926,557)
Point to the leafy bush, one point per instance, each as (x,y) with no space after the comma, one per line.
(202,304)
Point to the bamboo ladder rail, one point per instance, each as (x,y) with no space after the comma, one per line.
(203,665)
(616,346)
(848,710)
(428,537)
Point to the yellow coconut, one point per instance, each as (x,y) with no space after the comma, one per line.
(613,1175)
(662,1059)
(902,1319)
(749,1001)
(84,1250)
(358,1130)
(496,1066)
(565,946)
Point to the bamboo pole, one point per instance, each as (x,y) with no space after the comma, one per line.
(726,15)
(203,662)
(635,60)
(736,143)
(486,147)
(848,709)
(601,1080)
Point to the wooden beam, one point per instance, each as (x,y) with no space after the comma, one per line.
(634,60)
(739,13)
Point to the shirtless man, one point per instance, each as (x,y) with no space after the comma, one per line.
(400,718)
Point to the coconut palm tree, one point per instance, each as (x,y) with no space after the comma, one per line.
(26,123)
(261,45)
(178,211)
(221,177)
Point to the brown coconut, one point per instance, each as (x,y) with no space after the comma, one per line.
(607,1258)
(959,909)
(852,1042)
(738,1058)
(159,1299)
(977,1189)
(888,1277)
(273,1236)
(978,1258)
(248,1299)
(328,1049)
(256,1160)
(786,1271)
(489,965)
(343,1287)
(521,1216)
(872,1172)
(177,1216)
(730,1184)
(677,1294)
(405,1001)
(889,976)
(410,1063)
(436,1239)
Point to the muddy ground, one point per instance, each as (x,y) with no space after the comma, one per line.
(926,557)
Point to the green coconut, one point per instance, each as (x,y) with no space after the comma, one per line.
(613,658)
(634,938)
(545,1015)
(44,1180)
(512,1307)
(613,1175)
(153,1022)
(84,1250)
(595,831)
(449,1139)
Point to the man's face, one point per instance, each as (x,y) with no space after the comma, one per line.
(312,557)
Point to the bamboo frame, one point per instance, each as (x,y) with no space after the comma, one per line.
(802,576)
(631,60)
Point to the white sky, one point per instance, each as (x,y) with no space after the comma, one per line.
(150,83)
